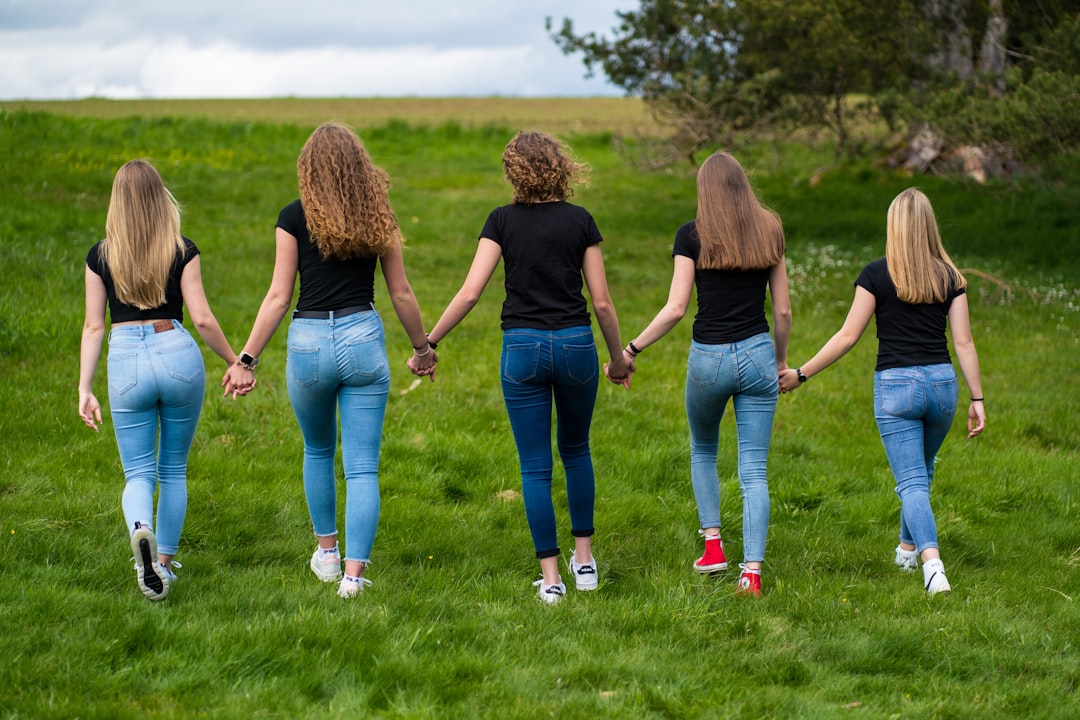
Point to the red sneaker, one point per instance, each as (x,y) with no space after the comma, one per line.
(749,582)
(713,560)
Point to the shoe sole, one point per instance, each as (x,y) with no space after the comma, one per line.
(154,584)
(707,569)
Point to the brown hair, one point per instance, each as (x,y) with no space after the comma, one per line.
(142,235)
(344,196)
(736,231)
(919,267)
(540,168)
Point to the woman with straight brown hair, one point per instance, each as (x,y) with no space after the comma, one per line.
(733,251)
(915,292)
(146,272)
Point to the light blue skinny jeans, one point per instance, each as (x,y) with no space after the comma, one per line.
(157,381)
(744,372)
(340,365)
(914,408)
(540,367)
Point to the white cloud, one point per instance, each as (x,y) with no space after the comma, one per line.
(323,48)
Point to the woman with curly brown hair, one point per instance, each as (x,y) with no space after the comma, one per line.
(333,236)
(549,353)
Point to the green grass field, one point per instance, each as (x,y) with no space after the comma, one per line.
(451,626)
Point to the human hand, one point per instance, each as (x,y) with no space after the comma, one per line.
(424,365)
(789,380)
(620,370)
(238,381)
(89,410)
(976,418)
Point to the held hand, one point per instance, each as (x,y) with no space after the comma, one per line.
(789,380)
(422,365)
(620,370)
(976,418)
(238,381)
(90,410)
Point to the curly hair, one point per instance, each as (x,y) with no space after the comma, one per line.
(540,168)
(344,196)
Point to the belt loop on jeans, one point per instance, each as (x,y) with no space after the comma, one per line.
(163,326)
(327,314)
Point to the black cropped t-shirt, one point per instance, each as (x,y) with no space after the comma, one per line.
(328,284)
(173,309)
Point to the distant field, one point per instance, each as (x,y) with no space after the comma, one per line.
(621,116)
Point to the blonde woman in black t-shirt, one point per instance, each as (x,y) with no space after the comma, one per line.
(549,355)
(145,272)
(732,252)
(914,293)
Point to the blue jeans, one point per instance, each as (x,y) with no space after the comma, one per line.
(156,386)
(340,365)
(745,372)
(537,367)
(914,409)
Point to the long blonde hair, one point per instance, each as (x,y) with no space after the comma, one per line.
(540,168)
(919,267)
(345,196)
(736,231)
(142,235)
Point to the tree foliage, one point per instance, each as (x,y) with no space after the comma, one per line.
(725,71)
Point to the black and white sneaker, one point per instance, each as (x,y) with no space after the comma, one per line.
(550,594)
(153,579)
(585,575)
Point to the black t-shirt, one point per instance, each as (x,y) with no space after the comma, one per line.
(543,248)
(908,334)
(329,284)
(173,309)
(731,303)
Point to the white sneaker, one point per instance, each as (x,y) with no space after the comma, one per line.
(351,586)
(934,575)
(152,577)
(550,594)
(585,575)
(906,560)
(326,564)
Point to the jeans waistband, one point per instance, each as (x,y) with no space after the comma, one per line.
(328,314)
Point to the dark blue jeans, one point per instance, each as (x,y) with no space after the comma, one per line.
(539,366)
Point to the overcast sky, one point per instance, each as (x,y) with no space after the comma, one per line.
(65,49)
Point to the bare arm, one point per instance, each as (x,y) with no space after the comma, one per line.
(682,287)
(960,329)
(596,280)
(483,266)
(407,309)
(781,308)
(90,348)
(191,286)
(862,309)
(271,311)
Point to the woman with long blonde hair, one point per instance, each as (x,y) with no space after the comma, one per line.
(733,252)
(145,272)
(915,292)
(333,237)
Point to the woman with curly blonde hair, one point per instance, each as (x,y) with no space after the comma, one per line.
(145,272)
(334,236)
(549,354)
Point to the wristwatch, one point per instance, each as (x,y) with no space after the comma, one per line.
(798,374)
(247,361)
